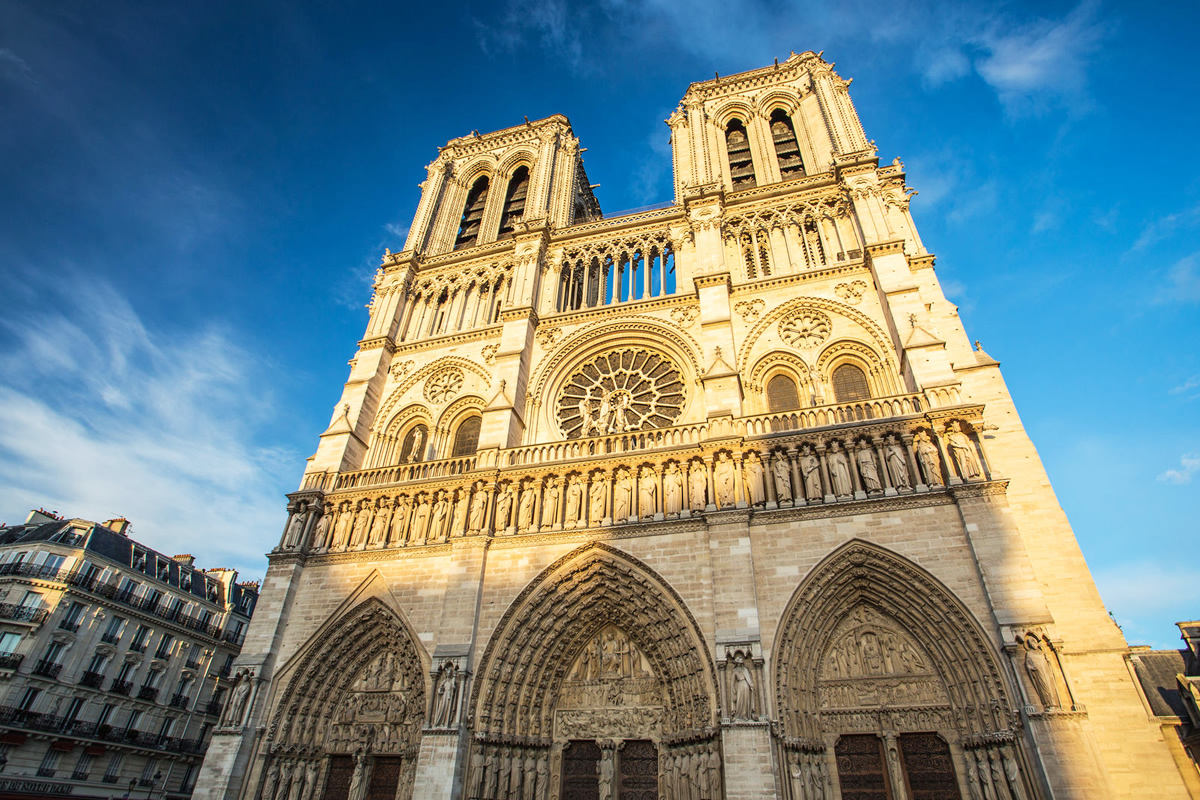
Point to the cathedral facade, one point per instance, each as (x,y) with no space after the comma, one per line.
(709,502)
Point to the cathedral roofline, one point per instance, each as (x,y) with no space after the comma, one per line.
(728,81)
(501,136)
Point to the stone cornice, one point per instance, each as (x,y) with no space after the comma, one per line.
(717,279)
(843,269)
(885,248)
(376,342)
(479,334)
(619,310)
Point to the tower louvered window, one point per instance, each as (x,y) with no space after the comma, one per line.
(472,218)
(849,384)
(782,394)
(514,201)
(741,164)
(787,150)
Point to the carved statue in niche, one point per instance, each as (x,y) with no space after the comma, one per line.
(928,458)
(574,500)
(647,493)
(867,468)
(839,471)
(697,487)
(622,494)
(379,526)
(359,534)
(420,523)
(445,695)
(399,520)
(723,477)
(897,465)
(597,500)
(782,477)
(752,476)
(606,771)
(1037,666)
(550,503)
(743,688)
(672,489)
(810,470)
(321,533)
(358,781)
(478,508)
(418,445)
(504,508)
(525,512)
(441,513)
(296,527)
(963,452)
(462,501)
(235,712)
(341,531)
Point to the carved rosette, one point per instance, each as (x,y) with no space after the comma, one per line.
(443,386)
(804,329)
(623,390)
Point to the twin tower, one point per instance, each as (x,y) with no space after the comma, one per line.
(709,502)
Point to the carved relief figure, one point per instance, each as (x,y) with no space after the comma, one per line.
(810,470)
(723,477)
(445,695)
(358,781)
(622,494)
(359,535)
(783,479)
(928,458)
(597,500)
(743,689)
(897,464)
(525,513)
(752,474)
(574,500)
(697,487)
(420,520)
(478,508)
(379,527)
(441,512)
(1037,666)
(839,471)
(296,527)
(459,525)
(504,508)
(647,493)
(605,770)
(550,504)
(867,469)
(322,530)
(963,452)
(672,489)
(399,519)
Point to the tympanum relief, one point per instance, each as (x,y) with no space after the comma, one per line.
(610,692)
(381,712)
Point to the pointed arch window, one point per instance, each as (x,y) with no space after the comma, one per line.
(472,217)
(466,438)
(782,394)
(850,384)
(514,201)
(412,449)
(787,150)
(741,163)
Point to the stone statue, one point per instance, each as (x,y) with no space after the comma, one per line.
(239,698)
(418,444)
(505,772)
(445,695)
(647,493)
(963,452)
(622,416)
(514,776)
(272,781)
(359,535)
(478,509)
(714,774)
(1013,774)
(420,520)
(297,778)
(550,504)
(752,475)
(897,464)
(585,416)
(723,477)
(491,773)
(296,526)
(743,689)
(574,500)
(525,513)
(597,500)
(782,477)
(379,526)
(504,508)
(810,470)
(606,774)
(928,458)
(1037,666)
(697,487)
(441,513)
(543,778)
(529,779)
(797,776)
(358,781)
(839,471)
(459,524)
(322,530)
(973,783)
(311,773)
(622,494)
(867,469)
(603,414)
(672,489)
(399,520)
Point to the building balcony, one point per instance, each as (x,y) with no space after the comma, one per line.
(190,664)
(69,625)
(11,660)
(16,613)
(92,680)
(45,772)
(47,668)
(121,687)
(111,638)
(137,647)
(148,693)
(50,723)
(212,708)
(235,638)
(179,701)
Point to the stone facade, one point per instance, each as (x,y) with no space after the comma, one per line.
(710,502)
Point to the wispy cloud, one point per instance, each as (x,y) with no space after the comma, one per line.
(101,416)
(1190,389)
(15,68)
(1159,229)
(1182,281)
(1138,591)
(1188,465)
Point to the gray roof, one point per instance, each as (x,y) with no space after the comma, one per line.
(1156,671)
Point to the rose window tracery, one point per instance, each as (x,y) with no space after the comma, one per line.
(805,329)
(622,390)
(441,388)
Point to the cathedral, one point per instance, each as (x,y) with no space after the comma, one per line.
(715,501)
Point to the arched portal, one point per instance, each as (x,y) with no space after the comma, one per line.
(349,719)
(880,666)
(596,683)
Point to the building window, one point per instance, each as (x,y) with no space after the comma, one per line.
(466,438)
(139,639)
(782,394)
(83,767)
(31,600)
(70,620)
(413,449)
(73,710)
(741,163)
(112,633)
(164,646)
(514,201)
(850,384)
(135,717)
(147,778)
(472,217)
(787,151)
(9,642)
(105,715)
(114,768)
(189,773)
(28,699)
(49,764)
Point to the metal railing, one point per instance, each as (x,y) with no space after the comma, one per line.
(111,638)
(93,680)
(16,613)
(121,687)
(53,723)
(148,693)
(47,668)
(11,660)
(212,708)
(179,701)
(69,625)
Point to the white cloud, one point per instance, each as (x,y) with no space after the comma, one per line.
(1157,230)
(1190,388)
(101,417)
(398,230)
(15,68)
(1188,465)
(1182,283)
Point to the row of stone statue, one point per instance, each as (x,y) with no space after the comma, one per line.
(292,779)
(691,772)
(784,477)
(808,775)
(992,772)
(509,773)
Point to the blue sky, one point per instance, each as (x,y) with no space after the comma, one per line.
(193,199)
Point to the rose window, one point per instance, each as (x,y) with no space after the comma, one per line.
(623,390)
(444,386)
(806,329)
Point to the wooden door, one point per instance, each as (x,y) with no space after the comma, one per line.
(928,767)
(862,771)
(581,763)
(637,778)
(341,771)
(385,777)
